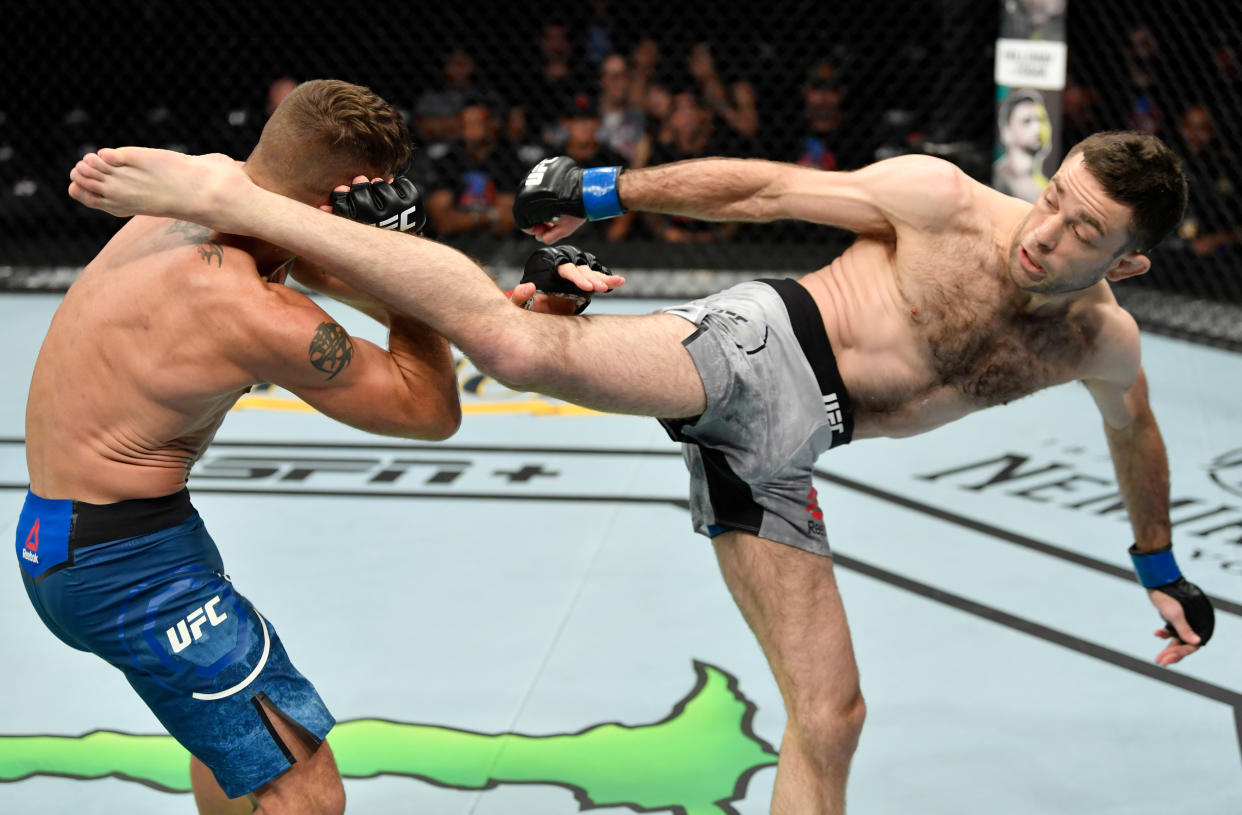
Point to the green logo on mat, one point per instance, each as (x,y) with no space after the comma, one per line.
(696,761)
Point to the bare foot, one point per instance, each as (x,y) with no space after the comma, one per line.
(144,181)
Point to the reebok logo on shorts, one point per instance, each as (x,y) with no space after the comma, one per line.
(832,407)
(815,525)
(32,544)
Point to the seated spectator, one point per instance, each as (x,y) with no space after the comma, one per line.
(470,190)
(819,141)
(437,126)
(733,101)
(582,126)
(1213,223)
(692,132)
(623,126)
(457,84)
(554,83)
(526,147)
(645,62)
(437,110)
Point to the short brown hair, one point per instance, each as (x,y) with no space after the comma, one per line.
(1138,170)
(325,132)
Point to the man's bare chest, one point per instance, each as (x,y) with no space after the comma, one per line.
(982,339)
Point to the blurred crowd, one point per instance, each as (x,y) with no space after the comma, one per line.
(476,138)
(832,88)
(1150,89)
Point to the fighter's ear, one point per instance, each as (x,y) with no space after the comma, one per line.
(1128,265)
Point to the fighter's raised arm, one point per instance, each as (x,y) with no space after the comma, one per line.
(557,194)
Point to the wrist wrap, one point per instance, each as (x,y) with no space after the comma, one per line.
(599,193)
(1155,569)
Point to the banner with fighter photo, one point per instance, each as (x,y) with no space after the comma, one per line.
(1030,78)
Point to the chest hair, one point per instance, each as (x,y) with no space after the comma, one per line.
(992,350)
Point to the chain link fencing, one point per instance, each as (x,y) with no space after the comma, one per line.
(489,88)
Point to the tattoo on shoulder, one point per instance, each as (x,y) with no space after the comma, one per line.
(193,232)
(211,250)
(208,249)
(331,349)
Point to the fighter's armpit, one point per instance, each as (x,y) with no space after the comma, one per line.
(1115,349)
(330,350)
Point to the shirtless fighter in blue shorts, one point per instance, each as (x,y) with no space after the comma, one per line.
(152,345)
(952,298)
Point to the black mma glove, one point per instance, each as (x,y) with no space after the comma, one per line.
(558,186)
(1158,571)
(540,269)
(398,205)
(1196,606)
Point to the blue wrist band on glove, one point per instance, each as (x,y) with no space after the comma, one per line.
(599,193)
(1155,569)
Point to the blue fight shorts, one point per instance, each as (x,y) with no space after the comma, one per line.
(141,584)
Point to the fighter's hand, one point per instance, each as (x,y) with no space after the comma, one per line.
(566,274)
(1189,619)
(128,181)
(562,227)
(525,296)
(393,204)
(558,189)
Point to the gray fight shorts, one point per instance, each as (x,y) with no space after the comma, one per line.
(775,402)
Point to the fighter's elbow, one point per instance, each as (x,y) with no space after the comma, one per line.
(444,421)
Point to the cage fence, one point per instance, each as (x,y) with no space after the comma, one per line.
(489,88)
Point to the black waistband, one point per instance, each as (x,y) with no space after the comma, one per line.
(100,523)
(808,327)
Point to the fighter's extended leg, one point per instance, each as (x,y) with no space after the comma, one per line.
(790,599)
(631,365)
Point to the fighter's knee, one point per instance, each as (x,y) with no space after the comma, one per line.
(831,728)
(511,357)
(333,800)
(324,797)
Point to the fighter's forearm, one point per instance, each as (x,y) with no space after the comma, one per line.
(709,189)
(1142,469)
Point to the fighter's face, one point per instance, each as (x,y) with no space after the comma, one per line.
(1073,236)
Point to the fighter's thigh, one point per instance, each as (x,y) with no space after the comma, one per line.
(790,599)
(618,363)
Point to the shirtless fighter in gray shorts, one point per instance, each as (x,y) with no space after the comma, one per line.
(953,297)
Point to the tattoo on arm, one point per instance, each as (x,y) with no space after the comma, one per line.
(331,349)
